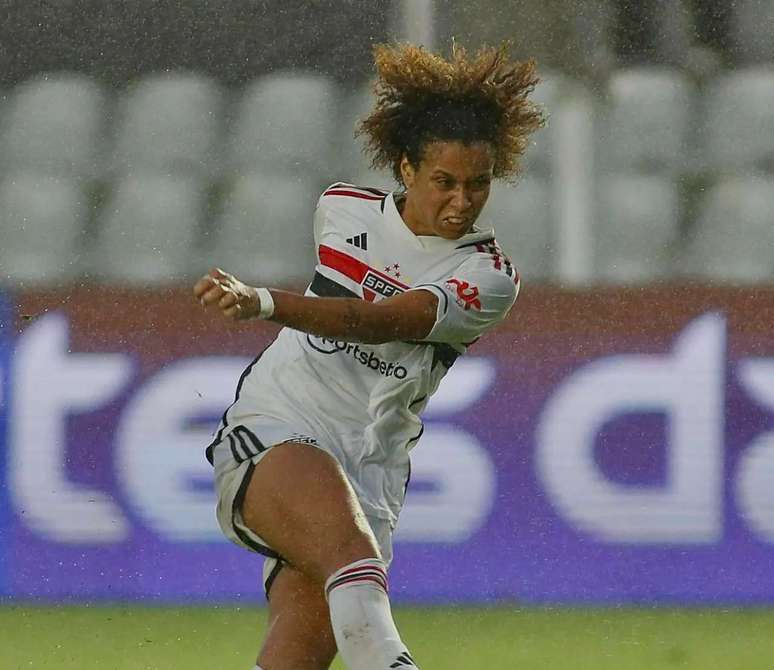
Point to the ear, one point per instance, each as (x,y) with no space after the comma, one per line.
(407,171)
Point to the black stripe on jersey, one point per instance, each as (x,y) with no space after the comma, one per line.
(445,354)
(381,204)
(445,302)
(375,191)
(327,288)
(378,191)
(443,294)
(368,189)
(473,244)
(224,423)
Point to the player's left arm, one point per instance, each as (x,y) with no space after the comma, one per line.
(408,316)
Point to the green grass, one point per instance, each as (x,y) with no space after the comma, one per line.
(226,638)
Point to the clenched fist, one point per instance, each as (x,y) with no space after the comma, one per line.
(235,299)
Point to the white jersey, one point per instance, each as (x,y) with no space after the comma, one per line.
(361,402)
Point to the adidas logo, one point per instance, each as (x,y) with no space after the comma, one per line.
(404,661)
(360,241)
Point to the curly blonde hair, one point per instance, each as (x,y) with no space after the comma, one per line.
(422,98)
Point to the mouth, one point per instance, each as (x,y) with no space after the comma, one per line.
(456,221)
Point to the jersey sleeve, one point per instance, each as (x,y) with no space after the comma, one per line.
(336,268)
(470,302)
(341,224)
(343,211)
(324,226)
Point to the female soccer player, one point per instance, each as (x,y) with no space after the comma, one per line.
(312,458)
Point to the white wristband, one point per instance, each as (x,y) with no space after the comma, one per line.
(267,303)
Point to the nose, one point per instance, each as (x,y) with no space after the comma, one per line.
(461,199)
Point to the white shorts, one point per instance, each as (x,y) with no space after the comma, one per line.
(235,457)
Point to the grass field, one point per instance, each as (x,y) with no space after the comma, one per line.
(225,638)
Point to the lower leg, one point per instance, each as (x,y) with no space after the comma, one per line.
(362,620)
(299,635)
(318,526)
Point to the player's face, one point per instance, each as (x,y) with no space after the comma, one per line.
(447,191)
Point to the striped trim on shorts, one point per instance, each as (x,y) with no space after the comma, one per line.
(235,456)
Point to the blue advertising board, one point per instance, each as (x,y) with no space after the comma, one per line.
(578,455)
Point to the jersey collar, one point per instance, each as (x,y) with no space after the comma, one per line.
(429,242)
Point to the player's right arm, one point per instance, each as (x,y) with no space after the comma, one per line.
(409,316)
(437,312)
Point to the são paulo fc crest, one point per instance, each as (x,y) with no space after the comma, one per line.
(383,285)
(467,295)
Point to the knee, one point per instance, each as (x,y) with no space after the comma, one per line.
(355,545)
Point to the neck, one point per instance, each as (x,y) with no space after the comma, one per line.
(407,213)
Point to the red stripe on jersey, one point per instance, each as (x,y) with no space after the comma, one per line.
(349,187)
(344,263)
(352,194)
(351,267)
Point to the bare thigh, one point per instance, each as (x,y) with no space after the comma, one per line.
(300,502)
(299,636)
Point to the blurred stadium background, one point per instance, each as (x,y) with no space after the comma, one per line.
(614,446)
